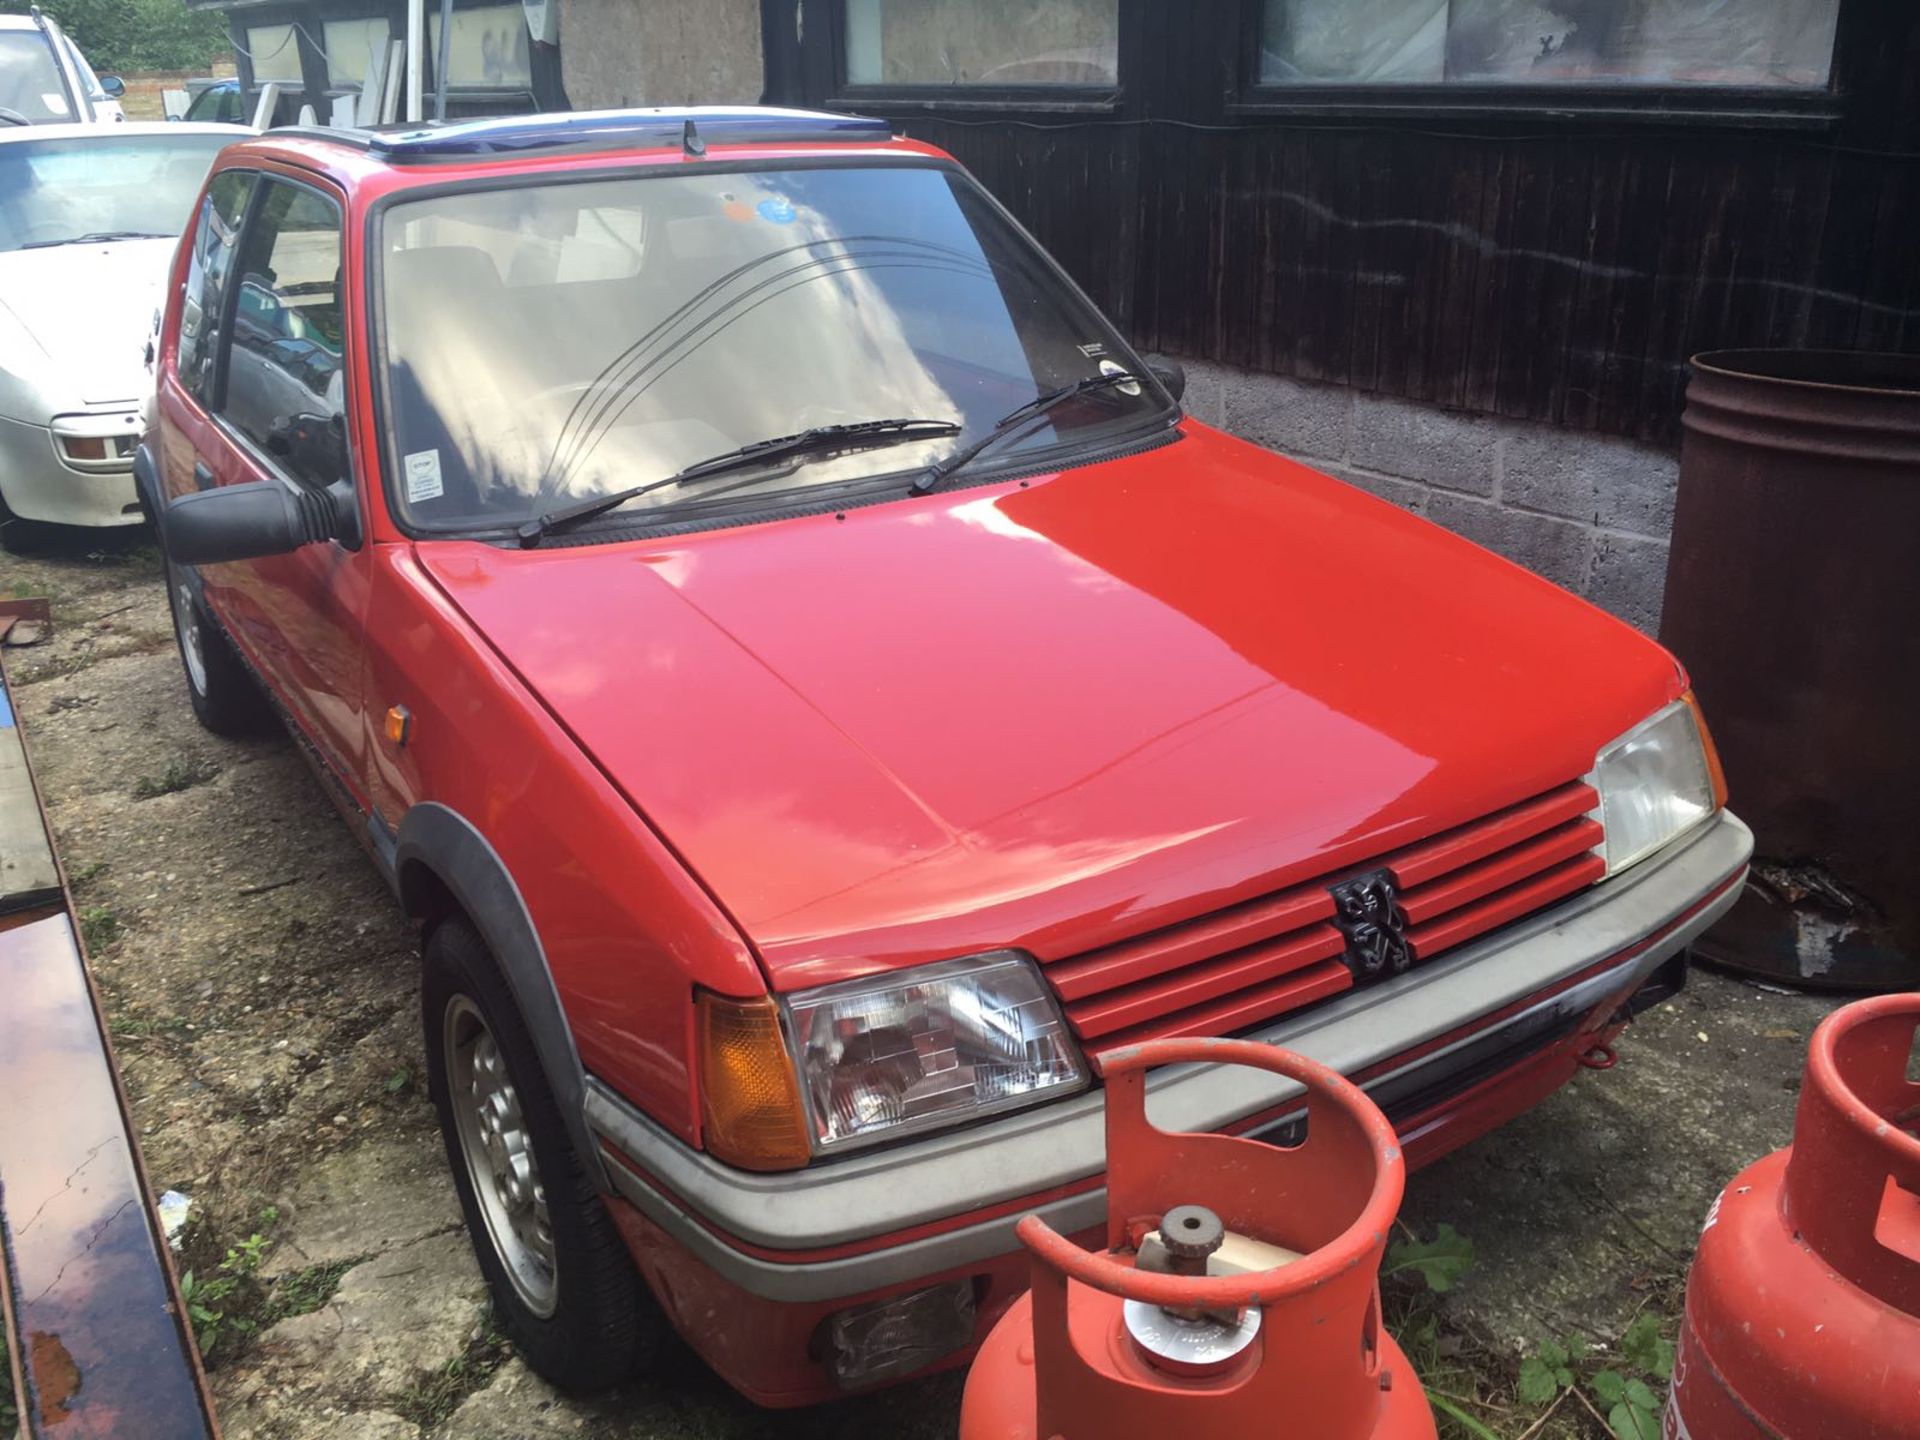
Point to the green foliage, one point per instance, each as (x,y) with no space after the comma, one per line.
(209,1302)
(1548,1371)
(304,1291)
(1633,1410)
(1626,1394)
(1460,1416)
(120,35)
(179,775)
(1644,1347)
(99,928)
(1440,1261)
(9,1412)
(436,1397)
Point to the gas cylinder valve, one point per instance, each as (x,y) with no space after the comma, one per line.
(1210,1324)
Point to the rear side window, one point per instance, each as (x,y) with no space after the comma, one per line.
(31,85)
(284,385)
(214,238)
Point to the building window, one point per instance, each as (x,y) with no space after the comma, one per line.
(489,51)
(355,47)
(1779,43)
(275,54)
(996,44)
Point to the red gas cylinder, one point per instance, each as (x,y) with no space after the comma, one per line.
(1239,1295)
(1803,1307)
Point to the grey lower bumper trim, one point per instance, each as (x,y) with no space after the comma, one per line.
(884,1191)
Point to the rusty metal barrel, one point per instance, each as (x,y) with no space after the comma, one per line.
(1793,598)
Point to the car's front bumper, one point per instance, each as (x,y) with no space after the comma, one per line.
(1450,1049)
(39,483)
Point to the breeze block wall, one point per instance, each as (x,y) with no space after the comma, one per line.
(1589,512)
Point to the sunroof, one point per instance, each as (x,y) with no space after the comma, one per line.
(508,135)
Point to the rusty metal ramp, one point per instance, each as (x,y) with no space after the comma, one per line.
(96,1344)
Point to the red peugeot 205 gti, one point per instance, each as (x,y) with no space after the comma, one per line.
(818,693)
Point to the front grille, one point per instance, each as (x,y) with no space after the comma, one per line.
(1240,967)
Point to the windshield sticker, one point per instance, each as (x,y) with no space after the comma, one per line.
(735,209)
(779,210)
(56,103)
(1093,351)
(423,476)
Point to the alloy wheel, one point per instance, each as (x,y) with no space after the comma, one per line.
(186,622)
(498,1149)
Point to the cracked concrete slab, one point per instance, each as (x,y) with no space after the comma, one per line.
(518,1405)
(373,1198)
(394,1321)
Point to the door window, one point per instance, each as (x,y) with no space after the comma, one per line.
(214,238)
(285,385)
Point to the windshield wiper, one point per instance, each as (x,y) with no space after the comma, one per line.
(1018,419)
(96,237)
(819,440)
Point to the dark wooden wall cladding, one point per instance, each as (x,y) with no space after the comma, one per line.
(1477,251)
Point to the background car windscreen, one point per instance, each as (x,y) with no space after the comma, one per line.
(101,186)
(30,83)
(553,342)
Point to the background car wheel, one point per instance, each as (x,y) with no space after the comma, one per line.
(565,1289)
(17,536)
(224,696)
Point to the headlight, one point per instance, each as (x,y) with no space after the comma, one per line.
(1655,782)
(892,1054)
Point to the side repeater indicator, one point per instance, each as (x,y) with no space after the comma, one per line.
(399,724)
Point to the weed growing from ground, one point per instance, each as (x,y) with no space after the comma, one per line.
(1473,1388)
(431,1402)
(301,1292)
(179,775)
(99,928)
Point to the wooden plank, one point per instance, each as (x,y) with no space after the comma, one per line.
(1494,225)
(1462,252)
(1524,290)
(28,875)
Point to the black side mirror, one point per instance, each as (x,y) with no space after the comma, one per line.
(1171,374)
(113,86)
(244,522)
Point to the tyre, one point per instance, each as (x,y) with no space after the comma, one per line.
(17,536)
(564,1288)
(224,696)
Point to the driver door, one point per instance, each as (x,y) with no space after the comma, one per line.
(276,411)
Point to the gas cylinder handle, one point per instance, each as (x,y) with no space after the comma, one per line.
(1854,1170)
(1124,1071)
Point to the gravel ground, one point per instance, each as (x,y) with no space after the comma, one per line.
(260,985)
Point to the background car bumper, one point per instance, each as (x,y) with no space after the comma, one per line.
(751,1267)
(39,485)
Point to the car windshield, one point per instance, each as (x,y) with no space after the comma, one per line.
(30,83)
(98,186)
(549,343)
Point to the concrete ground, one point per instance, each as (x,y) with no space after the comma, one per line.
(261,990)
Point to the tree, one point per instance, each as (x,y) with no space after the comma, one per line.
(138,34)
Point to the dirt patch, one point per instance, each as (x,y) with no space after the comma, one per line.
(261,990)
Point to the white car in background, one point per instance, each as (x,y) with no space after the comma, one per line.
(45,80)
(89,218)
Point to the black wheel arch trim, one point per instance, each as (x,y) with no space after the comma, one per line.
(146,488)
(436,840)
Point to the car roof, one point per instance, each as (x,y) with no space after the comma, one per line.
(17,22)
(120,131)
(510,137)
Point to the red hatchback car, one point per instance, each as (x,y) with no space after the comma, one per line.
(818,693)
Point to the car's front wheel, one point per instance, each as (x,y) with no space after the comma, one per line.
(224,696)
(564,1288)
